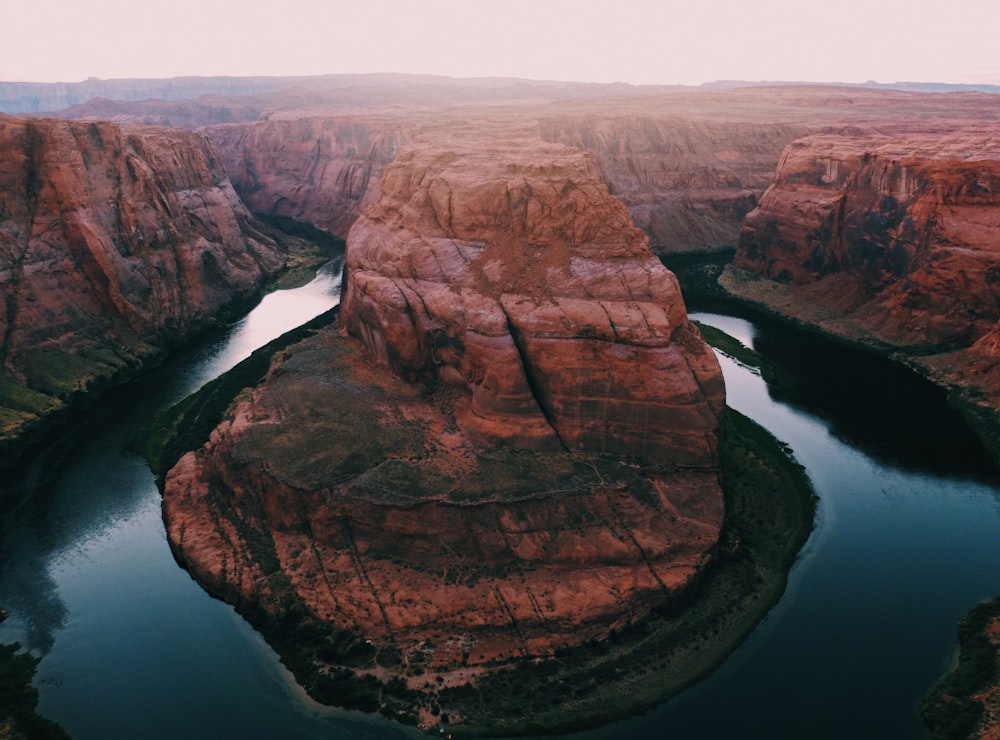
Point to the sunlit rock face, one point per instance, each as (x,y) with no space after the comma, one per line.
(115,243)
(513,275)
(508,446)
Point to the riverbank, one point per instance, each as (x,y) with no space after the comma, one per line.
(710,280)
(966,703)
(69,385)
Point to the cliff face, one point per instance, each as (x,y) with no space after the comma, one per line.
(114,244)
(315,170)
(889,241)
(514,276)
(899,232)
(539,468)
(687,183)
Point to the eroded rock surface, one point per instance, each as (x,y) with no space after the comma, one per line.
(890,238)
(512,275)
(319,170)
(115,243)
(511,448)
(361,491)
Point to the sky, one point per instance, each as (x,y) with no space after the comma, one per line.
(665,42)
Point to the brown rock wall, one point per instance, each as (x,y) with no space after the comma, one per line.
(901,228)
(115,243)
(514,275)
(315,170)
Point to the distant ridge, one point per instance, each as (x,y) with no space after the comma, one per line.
(927,87)
(43,97)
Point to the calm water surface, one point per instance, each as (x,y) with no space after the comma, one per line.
(906,542)
(131,646)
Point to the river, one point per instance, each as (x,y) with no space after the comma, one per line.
(906,542)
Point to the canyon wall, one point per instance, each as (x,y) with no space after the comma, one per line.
(687,183)
(889,238)
(315,170)
(115,243)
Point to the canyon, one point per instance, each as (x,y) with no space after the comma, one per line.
(509,441)
(116,244)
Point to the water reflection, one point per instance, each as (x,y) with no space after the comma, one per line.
(133,646)
(890,412)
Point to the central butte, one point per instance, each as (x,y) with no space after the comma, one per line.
(509,447)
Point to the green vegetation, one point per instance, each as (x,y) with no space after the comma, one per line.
(18,699)
(186,425)
(736,350)
(951,711)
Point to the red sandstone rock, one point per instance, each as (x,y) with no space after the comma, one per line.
(115,243)
(358,490)
(901,229)
(466,509)
(512,274)
(315,170)
(686,181)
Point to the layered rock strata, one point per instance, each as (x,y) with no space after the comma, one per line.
(891,239)
(515,277)
(320,171)
(538,468)
(686,182)
(115,243)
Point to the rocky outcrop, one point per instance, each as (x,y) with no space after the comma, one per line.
(538,469)
(512,275)
(387,522)
(115,243)
(890,239)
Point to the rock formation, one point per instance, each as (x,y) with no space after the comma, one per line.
(889,238)
(540,466)
(315,170)
(514,276)
(115,243)
(687,182)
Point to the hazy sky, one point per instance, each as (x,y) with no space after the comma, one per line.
(619,40)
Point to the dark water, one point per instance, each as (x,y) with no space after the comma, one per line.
(906,542)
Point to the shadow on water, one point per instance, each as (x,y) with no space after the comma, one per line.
(873,404)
